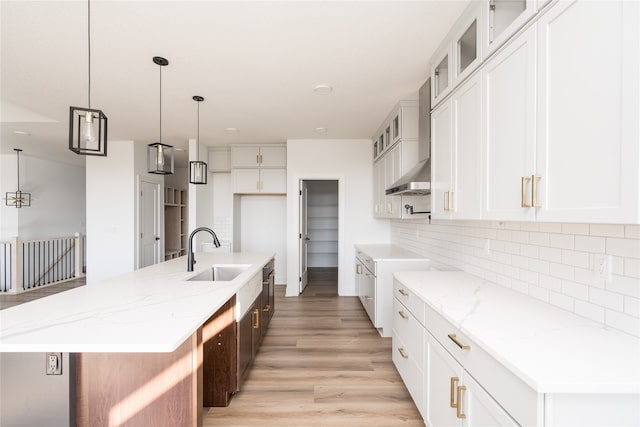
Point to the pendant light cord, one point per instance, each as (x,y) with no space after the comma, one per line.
(160,104)
(18,162)
(89,45)
(198,140)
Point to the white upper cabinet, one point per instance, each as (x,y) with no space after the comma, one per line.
(441,75)
(263,156)
(467,43)
(456,150)
(588,139)
(508,130)
(503,19)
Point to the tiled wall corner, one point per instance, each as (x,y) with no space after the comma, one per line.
(551,262)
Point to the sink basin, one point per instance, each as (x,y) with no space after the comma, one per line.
(219,273)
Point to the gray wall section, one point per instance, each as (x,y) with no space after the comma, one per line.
(30,398)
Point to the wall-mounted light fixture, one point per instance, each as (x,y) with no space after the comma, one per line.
(198,168)
(160,157)
(87,126)
(18,198)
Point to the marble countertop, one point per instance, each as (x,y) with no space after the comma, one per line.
(550,349)
(386,252)
(154,309)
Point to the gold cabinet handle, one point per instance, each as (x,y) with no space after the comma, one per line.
(446,200)
(403,353)
(403,292)
(459,413)
(523,192)
(358,269)
(256,323)
(451,208)
(452,395)
(368,298)
(257,159)
(534,191)
(267,308)
(453,338)
(403,315)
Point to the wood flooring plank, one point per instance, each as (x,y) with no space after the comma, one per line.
(322,363)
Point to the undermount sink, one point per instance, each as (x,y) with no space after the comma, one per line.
(219,273)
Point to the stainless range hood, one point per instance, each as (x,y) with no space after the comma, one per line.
(418,180)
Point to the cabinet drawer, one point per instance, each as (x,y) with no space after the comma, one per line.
(409,330)
(412,373)
(367,261)
(412,302)
(517,398)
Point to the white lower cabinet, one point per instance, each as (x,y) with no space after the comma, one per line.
(453,397)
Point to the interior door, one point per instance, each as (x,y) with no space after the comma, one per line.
(303,236)
(149,223)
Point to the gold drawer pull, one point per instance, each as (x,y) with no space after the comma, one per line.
(267,308)
(256,322)
(534,179)
(523,192)
(403,353)
(403,315)
(459,413)
(453,338)
(403,292)
(452,387)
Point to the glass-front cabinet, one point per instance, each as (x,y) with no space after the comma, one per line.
(504,18)
(441,76)
(466,43)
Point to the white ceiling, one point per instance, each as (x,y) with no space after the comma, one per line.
(255,63)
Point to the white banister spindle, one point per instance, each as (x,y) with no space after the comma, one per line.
(79,254)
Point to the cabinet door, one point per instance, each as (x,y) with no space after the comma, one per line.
(443,377)
(588,108)
(504,18)
(378,191)
(441,75)
(245,181)
(245,344)
(395,172)
(480,409)
(368,295)
(273,181)
(245,157)
(273,157)
(467,35)
(465,202)
(509,130)
(441,155)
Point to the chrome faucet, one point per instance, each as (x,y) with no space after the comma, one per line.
(190,259)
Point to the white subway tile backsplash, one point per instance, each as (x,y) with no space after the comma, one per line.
(590,244)
(590,311)
(632,231)
(577,259)
(575,229)
(563,241)
(606,230)
(629,248)
(606,299)
(575,290)
(551,262)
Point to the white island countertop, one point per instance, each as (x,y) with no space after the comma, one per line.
(550,349)
(154,309)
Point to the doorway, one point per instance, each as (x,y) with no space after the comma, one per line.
(149,223)
(319,219)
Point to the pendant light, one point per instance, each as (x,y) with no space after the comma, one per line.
(18,198)
(197,168)
(87,126)
(160,156)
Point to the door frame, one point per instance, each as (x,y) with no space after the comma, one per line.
(138,222)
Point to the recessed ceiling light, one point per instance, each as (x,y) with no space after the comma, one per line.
(320,129)
(232,130)
(21,132)
(323,89)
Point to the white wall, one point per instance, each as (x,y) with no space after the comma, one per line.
(351,163)
(200,201)
(547,261)
(58,198)
(112,209)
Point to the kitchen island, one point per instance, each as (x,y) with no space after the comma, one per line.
(138,337)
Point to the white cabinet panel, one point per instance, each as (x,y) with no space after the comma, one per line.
(273,181)
(441,155)
(273,156)
(245,181)
(219,159)
(480,408)
(503,19)
(253,181)
(263,156)
(509,129)
(588,93)
(444,374)
(245,157)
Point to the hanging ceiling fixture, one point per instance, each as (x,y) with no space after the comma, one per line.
(18,198)
(87,126)
(160,156)
(198,168)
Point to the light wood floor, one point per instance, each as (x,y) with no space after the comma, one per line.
(321,364)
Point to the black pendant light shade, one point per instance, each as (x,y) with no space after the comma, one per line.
(87,126)
(160,157)
(87,131)
(17,198)
(198,168)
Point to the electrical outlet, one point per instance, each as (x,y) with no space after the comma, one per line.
(602,266)
(53,363)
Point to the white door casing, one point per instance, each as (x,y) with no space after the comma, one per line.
(303,236)
(149,223)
